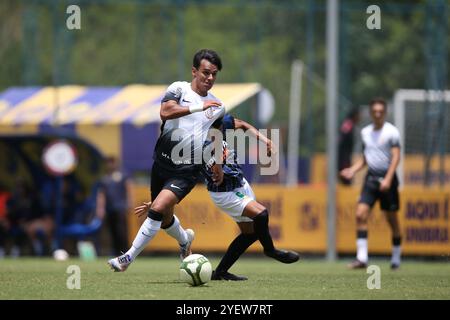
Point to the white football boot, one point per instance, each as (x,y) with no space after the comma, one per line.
(185,250)
(120,263)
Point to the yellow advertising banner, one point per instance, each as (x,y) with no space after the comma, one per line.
(425,221)
(298,220)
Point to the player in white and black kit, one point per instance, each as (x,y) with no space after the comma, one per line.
(381,143)
(187,110)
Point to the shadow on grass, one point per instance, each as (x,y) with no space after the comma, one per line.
(164,282)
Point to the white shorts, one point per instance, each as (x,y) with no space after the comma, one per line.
(233,203)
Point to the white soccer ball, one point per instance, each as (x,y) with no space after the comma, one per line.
(60,255)
(195,270)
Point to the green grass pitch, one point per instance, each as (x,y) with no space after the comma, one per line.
(157,278)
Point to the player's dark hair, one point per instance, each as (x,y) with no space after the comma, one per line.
(378,101)
(209,55)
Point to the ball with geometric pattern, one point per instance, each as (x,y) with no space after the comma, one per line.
(195,270)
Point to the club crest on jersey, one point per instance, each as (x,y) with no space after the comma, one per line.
(209,113)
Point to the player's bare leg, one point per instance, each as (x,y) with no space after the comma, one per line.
(161,206)
(362,257)
(260,216)
(392,219)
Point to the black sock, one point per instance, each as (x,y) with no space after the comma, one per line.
(396,241)
(361,234)
(235,250)
(261,226)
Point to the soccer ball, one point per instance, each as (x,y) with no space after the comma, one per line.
(195,270)
(60,255)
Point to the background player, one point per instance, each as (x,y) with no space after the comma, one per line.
(346,142)
(381,143)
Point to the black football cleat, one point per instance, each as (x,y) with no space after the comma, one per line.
(395,266)
(357,265)
(283,256)
(225,275)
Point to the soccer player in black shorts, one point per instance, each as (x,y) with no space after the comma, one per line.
(381,143)
(187,112)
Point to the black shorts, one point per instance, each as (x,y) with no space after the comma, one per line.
(180,183)
(389,200)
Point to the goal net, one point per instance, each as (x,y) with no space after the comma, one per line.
(423,119)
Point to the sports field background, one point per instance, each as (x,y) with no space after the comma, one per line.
(156,278)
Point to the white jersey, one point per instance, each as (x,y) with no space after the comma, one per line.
(187,133)
(377,146)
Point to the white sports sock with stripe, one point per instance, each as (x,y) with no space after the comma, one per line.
(146,233)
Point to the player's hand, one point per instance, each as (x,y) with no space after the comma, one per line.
(347,173)
(385,185)
(217,174)
(211,103)
(142,209)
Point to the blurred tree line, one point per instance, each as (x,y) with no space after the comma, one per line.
(152,42)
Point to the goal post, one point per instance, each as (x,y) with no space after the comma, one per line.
(401,99)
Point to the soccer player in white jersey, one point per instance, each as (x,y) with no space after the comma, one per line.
(381,153)
(187,112)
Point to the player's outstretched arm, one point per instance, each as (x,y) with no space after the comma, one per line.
(349,173)
(241,124)
(172,110)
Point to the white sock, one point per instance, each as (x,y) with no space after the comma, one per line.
(396,254)
(176,231)
(361,250)
(146,233)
